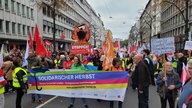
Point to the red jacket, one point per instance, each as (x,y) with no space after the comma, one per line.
(67,64)
(2,80)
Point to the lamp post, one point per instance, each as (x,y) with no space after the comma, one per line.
(54,4)
(186,18)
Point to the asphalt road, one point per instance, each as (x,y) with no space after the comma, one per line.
(130,101)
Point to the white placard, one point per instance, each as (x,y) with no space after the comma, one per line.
(163,46)
(188,45)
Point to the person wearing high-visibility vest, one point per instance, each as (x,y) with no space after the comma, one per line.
(159,67)
(174,62)
(19,81)
(3,82)
(57,62)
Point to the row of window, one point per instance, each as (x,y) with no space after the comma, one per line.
(14,28)
(61,18)
(17,7)
(58,32)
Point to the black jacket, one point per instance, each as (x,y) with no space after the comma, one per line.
(141,76)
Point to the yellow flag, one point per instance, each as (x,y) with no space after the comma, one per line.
(109,53)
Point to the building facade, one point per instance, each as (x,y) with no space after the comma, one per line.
(19,17)
(150,19)
(16,20)
(173,24)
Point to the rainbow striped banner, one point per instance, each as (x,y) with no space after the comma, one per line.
(106,85)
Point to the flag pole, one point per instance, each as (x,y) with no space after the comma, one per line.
(164,70)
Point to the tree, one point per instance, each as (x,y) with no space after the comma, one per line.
(124,42)
(55,6)
(181,5)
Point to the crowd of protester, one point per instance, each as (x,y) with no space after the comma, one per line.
(142,70)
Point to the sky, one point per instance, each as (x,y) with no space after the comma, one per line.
(118,15)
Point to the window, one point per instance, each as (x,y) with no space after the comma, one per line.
(0,3)
(18,9)
(44,10)
(48,29)
(28,29)
(44,28)
(1,25)
(31,13)
(48,11)
(6,5)
(13,27)
(12,6)
(28,12)
(24,31)
(7,27)
(32,30)
(23,10)
(19,28)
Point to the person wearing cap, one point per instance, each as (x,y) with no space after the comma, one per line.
(19,81)
(3,82)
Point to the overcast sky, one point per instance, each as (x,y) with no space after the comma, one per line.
(118,15)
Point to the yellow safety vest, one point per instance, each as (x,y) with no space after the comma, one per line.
(2,90)
(158,68)
(90,63)
(174,64)
(15,79)
(57,62)
(188,58)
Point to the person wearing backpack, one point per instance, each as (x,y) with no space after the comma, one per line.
(187,88)
(142,80)
(147,60)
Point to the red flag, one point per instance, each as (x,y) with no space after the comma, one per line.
(184,75)
(37,37)
(14,47)
(40,48)
(30,41)
(49,53)
(63,36)
(48,43)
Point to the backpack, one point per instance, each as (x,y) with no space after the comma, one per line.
(150,65)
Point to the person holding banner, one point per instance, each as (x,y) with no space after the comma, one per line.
(116,67)
(19,81)
(68,63)
(186,93)
(169,92)
(34,61)
(77,65)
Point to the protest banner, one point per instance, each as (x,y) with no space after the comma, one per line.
(106,85)
(188,45)
(163,46)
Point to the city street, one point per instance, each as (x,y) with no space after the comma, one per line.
(62,102)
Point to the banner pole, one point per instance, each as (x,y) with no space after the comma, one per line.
(164,70)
